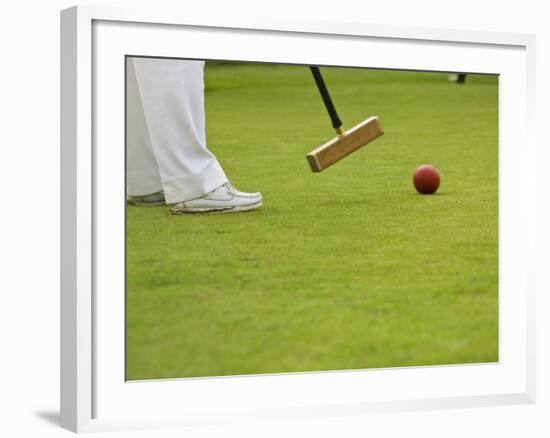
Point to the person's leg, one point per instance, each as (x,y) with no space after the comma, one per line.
(172,98)
(461,78)
(143,180)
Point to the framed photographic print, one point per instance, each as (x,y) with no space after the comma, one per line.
(282,219)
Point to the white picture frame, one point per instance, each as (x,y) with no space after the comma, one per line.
(94,395)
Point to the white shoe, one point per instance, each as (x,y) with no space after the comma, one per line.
(152,199)
(225,198)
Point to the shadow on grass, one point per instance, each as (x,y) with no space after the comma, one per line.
(433,195)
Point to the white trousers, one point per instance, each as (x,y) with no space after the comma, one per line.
(165,130)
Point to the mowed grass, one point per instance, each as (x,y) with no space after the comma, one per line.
(345,269)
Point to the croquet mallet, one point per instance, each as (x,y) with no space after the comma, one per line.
(347,141)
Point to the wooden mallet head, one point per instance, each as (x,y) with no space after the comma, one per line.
(343,145)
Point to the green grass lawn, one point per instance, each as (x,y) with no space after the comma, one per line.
(345,269)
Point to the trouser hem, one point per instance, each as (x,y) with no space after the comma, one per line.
(143,183)
(185,188)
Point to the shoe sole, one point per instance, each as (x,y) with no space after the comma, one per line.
(216,210)
(145,204)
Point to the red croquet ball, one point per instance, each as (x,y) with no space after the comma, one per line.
(426,179)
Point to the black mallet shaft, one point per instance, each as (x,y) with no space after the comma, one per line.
(336,122)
